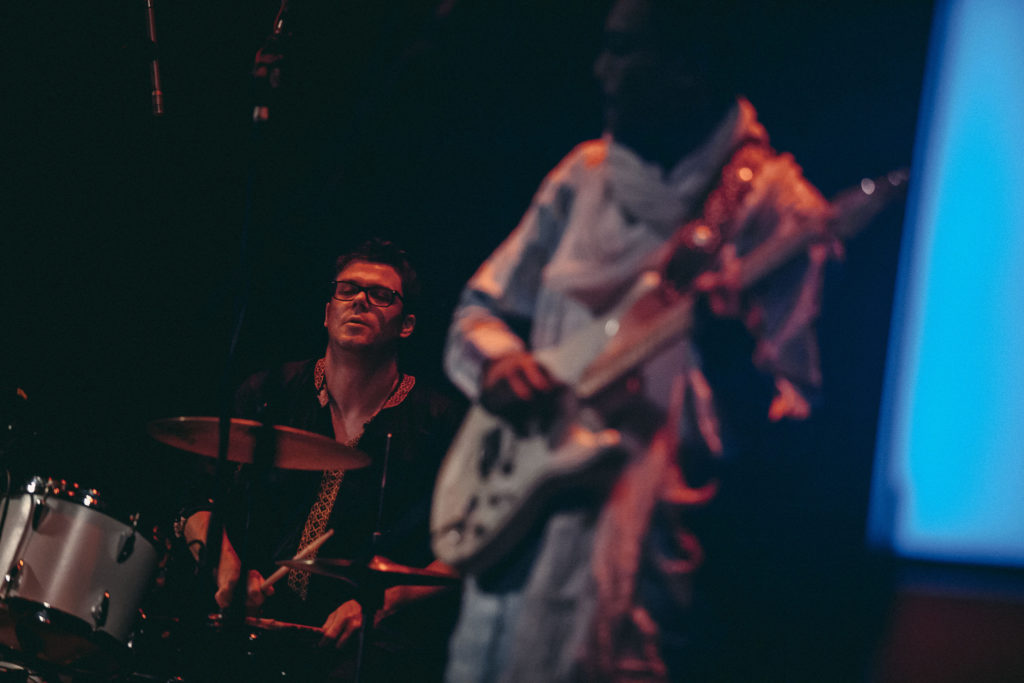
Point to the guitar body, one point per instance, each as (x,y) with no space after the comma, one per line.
(495,479)
(514,474)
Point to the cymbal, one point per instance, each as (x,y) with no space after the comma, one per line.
(294,449)
(380,569)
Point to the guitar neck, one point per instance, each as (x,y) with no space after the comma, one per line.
(672,322)
(853,210)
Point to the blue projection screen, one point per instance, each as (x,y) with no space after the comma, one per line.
(949,475)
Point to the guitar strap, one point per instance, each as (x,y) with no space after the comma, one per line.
(718,221)
(624,637)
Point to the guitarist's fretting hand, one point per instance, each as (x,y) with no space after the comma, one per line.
(516,386)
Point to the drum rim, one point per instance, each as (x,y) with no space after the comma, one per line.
(61,489)
(100,641)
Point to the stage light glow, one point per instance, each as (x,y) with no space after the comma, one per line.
(949,475)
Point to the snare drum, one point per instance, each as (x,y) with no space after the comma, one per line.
(69,569)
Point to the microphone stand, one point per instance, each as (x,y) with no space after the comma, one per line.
(266,70)
(266,79)
(154,63)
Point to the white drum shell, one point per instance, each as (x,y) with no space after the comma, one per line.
(71,560)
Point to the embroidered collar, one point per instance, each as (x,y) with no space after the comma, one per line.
(397,395)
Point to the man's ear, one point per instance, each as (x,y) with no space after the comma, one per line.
(408,324)
(327,308)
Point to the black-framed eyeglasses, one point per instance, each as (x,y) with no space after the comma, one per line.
(378,296)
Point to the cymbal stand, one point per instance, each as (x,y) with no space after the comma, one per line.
(370,594)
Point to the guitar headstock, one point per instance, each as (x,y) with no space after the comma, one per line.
(854,207)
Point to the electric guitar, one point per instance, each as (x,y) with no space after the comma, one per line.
(497,477)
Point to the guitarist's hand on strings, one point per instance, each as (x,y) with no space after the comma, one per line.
(516,386)
(723,287)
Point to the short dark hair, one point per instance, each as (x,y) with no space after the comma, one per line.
(377,250)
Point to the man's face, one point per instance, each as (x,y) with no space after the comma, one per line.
(642,87)
(359,324)
(628,66)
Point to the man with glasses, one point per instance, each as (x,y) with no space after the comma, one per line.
(358,395)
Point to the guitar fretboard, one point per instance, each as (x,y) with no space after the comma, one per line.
(854,209)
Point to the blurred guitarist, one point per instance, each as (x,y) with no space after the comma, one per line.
(600,589)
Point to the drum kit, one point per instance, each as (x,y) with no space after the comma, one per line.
(74,570)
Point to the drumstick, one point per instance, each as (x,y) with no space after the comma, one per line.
(301,555)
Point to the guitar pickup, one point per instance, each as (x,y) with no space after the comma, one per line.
(491,452)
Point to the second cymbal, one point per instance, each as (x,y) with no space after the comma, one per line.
(380,570)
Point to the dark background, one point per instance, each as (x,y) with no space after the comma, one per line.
(431,126)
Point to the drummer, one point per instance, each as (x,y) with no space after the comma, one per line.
(358,395)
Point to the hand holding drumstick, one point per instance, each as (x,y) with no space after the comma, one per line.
(258,588)
(301,555)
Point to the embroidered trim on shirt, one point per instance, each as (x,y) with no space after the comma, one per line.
(320,382)
(330,482)
(396,396)
(316,525)
(399,393)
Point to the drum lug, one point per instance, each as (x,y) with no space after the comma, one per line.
(13,574)
(39,511)
(140,625)
(127,547)
(99,612)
